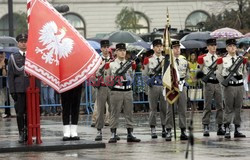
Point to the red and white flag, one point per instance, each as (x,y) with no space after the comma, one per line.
(56,53)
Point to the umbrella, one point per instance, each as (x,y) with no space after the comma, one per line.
(123,37)
(7,41)
(142,44)
(199,36)
(131,47)
(247,34)
(226,33)
(149,37)
(9,50)
(94,44)
(193,44)
(221,44)
(245,40)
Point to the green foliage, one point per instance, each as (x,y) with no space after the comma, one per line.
(238,19)
(128,20)
(22,26)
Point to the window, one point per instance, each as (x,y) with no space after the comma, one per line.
(19,23)
(195,21)
(143,23)
(77,22)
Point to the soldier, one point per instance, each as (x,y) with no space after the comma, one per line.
(103,95)
(212,89)
(18,83)
(70,105)
(152,69)
(181,103)
(121,94)
(233,93)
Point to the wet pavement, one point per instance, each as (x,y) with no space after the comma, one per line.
(211,148)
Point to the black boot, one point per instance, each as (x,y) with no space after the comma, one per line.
(206,130)
(237,134)
(227,131)
(168,135)
(21,137)
(183,134)
(117,137)
(113,135)
(131,137)
(153,132)
(220,131)
(163,133)
(99,135)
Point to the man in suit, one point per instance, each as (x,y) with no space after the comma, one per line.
(18,83)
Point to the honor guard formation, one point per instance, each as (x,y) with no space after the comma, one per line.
(112,83)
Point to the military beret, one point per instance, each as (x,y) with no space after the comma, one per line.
(230,41)
(211,41)
(22,36)
(175,43)
(104,43)
(120,46)
(157,42)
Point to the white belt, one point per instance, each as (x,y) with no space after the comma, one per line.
(122,87)
(237,82)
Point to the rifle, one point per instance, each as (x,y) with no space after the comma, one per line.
(212,69)
(123,69)
(156,72)
(233,69)
(99,78)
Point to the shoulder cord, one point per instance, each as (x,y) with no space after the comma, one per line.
(20,69)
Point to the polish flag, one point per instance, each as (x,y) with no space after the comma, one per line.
(56,53)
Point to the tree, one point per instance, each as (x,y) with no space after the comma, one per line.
(22,26)
(128,20)
(237,18)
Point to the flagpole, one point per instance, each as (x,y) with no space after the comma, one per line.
(169,62)
(172,105)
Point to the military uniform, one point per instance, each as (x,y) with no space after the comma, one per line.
(18,82)
(181,103)
(233,93)
(212,90)
(155,93)
(103,93)
(121,97)
(70,105)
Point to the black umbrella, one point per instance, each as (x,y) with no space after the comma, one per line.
(123,37)
(149,37)
(191,44)
(199,36)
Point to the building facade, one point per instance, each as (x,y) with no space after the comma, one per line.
(97,17)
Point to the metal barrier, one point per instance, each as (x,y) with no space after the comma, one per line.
(88,94)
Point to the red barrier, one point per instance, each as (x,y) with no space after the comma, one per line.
(33,112)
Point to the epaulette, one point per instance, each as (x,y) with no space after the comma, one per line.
(244,60)
(107,65)
(182,57)
(200,59)
(146,61)
(133,66)
(220,60)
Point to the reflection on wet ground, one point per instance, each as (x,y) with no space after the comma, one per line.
(211,148)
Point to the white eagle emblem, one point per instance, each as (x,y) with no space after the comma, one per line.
(55,45)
